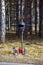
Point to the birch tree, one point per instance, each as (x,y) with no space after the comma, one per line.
(3,21)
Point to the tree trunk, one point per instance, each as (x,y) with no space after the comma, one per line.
(35,17)
(40,22)
(0,20)
(3,21)
(30,22)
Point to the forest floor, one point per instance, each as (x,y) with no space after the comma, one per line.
(34,52)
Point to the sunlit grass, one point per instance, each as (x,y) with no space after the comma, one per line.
(33,51)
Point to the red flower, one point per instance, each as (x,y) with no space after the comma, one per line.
(20,50)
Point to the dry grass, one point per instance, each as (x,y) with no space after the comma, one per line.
(34,53)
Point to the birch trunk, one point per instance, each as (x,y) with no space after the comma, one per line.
(3,20)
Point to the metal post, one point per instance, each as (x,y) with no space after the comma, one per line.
(22,40)
(3,20)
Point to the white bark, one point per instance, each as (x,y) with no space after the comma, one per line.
(3,20)
(38,15)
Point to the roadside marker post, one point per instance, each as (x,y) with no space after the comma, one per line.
(22,28)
